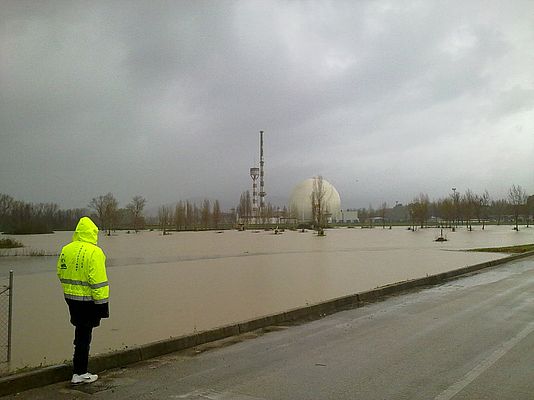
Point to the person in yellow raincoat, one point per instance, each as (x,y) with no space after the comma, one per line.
(81,269)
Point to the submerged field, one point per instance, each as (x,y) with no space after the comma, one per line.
(163,286)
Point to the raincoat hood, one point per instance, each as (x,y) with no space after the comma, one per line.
(86,231)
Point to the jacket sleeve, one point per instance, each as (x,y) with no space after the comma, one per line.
(98,279)
(102,310)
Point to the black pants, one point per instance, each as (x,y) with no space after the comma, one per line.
(82,343)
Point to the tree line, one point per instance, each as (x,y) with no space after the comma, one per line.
(247,214)
(19,217)
(188,215)
(458,209)
(455,209)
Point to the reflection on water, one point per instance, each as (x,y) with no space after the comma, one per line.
(163,286)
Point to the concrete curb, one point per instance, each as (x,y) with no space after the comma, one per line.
(44,376)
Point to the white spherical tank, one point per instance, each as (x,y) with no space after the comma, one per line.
(300,203)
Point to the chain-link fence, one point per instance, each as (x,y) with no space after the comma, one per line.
(6,314)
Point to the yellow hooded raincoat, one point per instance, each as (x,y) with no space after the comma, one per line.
(81,267)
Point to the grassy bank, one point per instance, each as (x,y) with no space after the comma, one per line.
(523,248)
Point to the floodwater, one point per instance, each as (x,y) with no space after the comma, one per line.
(167,286)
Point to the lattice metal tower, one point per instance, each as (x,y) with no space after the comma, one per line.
(254,174)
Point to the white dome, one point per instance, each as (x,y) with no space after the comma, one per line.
(300,205)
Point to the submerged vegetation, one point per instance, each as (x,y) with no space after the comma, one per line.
(27,253)
(8,243)
(523,248)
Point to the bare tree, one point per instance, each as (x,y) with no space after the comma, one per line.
(135,207)
(319,209)
(371,214)
(419,209)
(446,209)
(179,216)
(244,209)
(455,196)
(498,208)
(529,208)
(164,218)
(363,214)
(468,203)
(483,205)
(205,213)
(106,208)
(98,204)
(518,200)
(216,214)
(196,216)
(112,206)
(189,215)
(382,212)
(6,206)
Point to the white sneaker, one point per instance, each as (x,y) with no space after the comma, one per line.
(84,378)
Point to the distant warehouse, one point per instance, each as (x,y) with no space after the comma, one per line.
(349,216)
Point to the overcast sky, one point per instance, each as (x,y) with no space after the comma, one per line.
(166,99)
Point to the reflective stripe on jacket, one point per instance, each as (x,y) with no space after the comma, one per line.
(81,266)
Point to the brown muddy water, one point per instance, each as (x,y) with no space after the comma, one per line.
(165,286)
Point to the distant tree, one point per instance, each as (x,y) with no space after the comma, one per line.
(530,207)
(244,209)
(498,209)
(455,196)
(112,206)
(106,208)
(371,213)
(6,206)
(446,210)
(382,212)
(189,215)
(412,209)
(318,204)
(98,204)
(363,215)
(419,209)
(269,212)
(135,208)
(48,212)
(196,216)
(482,208)
(518,200)
(164,218)
(179,216)
(67,219)
(216,214)
(205,213)
(467,204)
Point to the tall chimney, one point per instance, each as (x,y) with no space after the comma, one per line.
(262,182)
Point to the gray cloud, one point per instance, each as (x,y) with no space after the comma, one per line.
(166,99)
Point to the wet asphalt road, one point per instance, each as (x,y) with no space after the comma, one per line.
(471,338)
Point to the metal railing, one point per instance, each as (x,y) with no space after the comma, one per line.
(6,319)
